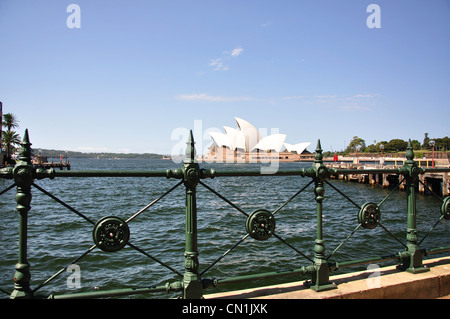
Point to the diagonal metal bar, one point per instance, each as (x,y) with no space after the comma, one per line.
(427,187)
(224,254)
(341,244)
(64,269)
(343,195)
(153,202)
(7,189)
(290,199)
(225,199)
(62,203)
(155,259)
(391,192)
(431,229)
(292,247)
(392,235)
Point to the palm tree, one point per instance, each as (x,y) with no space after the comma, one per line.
(10,121)
(10,138)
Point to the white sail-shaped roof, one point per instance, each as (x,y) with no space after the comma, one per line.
(220,139)
(272,142)
(236,137)
(248,138)
(250,133)
(299,148)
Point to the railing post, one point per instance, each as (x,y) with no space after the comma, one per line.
(321,275)
(412,257)
(23,177)
(192,285)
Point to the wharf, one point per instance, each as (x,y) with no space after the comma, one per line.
(40,161)
(59,165)
(383,283)
(437,182)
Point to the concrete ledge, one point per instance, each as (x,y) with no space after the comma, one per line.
(391,284)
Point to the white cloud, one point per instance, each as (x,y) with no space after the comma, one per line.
(218,65)
(356,97)
(355,107)
(356,102)
(326,96)
(236,51)
(211,98)
(369,96)
(294,97)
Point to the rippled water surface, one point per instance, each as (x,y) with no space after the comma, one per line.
(58,236)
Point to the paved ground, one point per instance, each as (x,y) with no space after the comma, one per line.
(391,284)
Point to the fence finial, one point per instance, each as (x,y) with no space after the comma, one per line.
(409,152)
(190,149)
(319,156)
(25,150)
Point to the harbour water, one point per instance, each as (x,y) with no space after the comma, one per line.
(57,236)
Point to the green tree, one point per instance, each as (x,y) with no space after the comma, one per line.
(372,148)
(375,148)
(10,121)
(354,143)
(396,145)
(10,138)
(384,145)
(442,144)
(416,145)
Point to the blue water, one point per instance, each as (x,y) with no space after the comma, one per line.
(58,236)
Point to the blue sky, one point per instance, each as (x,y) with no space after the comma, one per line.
(138,74)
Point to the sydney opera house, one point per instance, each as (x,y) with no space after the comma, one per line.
(246,145)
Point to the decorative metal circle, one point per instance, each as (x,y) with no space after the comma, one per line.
(260,224)
(369,216)
(111,234)
(445,208)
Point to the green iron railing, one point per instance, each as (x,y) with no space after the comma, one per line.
(111,234)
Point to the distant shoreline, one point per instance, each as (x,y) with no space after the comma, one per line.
(103,155)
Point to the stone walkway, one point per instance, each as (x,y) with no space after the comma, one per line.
(391,284)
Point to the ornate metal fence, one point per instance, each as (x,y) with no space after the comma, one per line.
(111,233)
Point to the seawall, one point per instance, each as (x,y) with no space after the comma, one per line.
(385,283)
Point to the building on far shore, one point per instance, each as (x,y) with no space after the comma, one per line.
(246,145)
